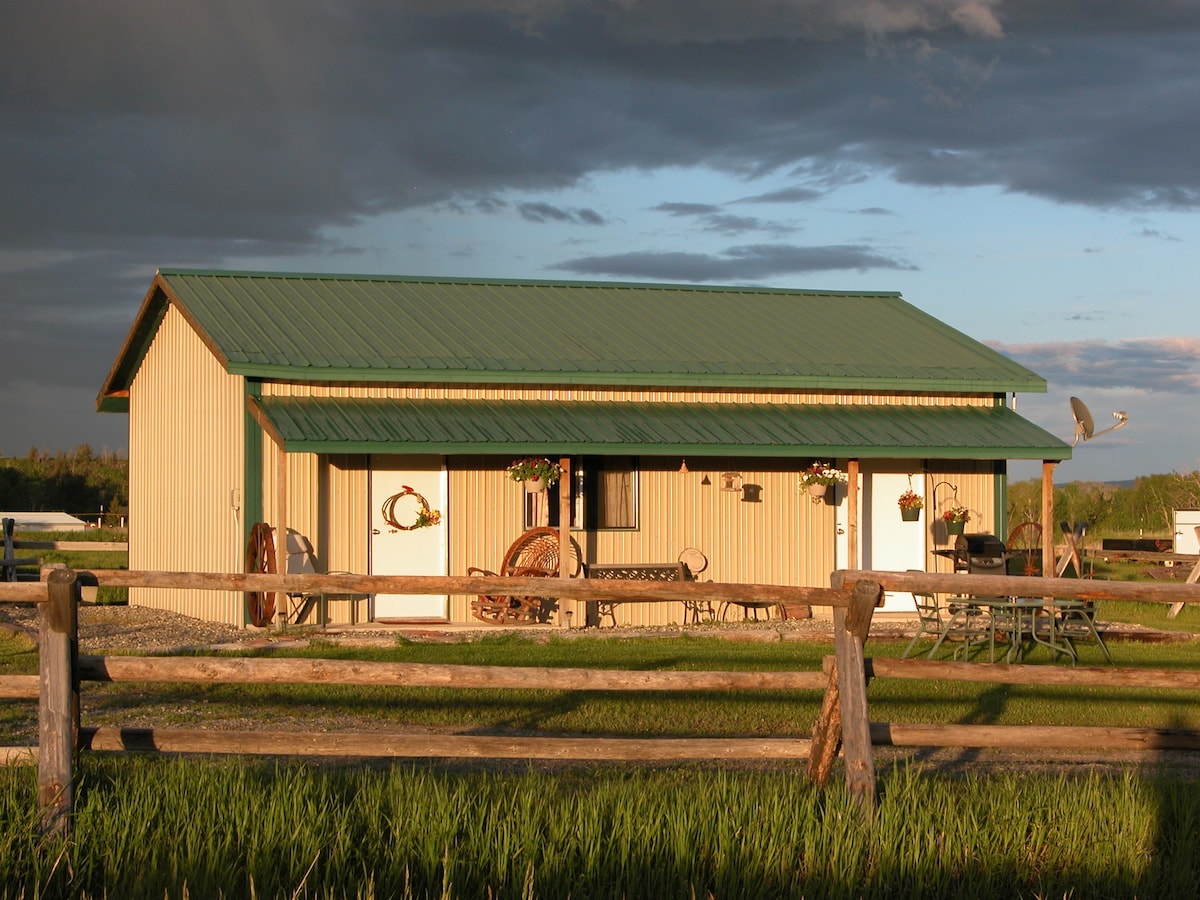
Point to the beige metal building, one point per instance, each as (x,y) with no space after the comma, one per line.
(338,408)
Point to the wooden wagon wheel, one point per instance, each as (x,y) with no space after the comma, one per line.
(260,559)
(1026,539)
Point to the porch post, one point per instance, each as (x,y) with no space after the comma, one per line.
(1048,518)
(281,548)
(566,606)
(852,561)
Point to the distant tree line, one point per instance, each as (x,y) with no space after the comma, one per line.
(1144,508)
(79,482)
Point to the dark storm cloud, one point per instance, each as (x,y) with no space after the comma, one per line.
(749,263)
(1161,365)
(135,133)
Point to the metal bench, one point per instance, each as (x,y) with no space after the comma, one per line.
(675,571)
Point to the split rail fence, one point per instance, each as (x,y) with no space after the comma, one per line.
(843,724)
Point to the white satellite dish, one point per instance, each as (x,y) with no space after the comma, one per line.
(1085,426)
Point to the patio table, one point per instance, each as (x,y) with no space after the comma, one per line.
(1022,620)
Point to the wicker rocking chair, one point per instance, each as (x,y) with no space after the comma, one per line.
(533,555)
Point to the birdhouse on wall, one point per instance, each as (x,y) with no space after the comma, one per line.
(731,481)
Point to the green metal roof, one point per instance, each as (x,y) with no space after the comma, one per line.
(325,425)
(364,328)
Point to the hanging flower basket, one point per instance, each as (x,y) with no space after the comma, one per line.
(956,518)
(910,503)
(536,472)
(819,477)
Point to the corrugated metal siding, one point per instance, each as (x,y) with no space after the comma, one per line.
(676,511)
(185,459)
(379,391)
(975,485)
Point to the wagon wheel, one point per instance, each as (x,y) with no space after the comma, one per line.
(260,559)
(1026,539)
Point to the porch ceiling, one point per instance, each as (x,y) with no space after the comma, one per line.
(565,428)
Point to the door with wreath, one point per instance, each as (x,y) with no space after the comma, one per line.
(408,531)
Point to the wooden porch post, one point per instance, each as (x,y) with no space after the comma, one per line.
(852,561)
(1048,527)
(566,607)
(281,548)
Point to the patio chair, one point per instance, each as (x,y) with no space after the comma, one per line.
(1077,621)
(301,560)
(964,626)
(929,620)
(533,555)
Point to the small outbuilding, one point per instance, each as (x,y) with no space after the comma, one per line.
(346,410)
(44,521)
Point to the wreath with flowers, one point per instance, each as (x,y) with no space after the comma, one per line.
(425,516)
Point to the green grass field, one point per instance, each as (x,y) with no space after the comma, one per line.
(155,828)
(158,827)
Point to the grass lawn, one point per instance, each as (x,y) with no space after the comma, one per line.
(232,827)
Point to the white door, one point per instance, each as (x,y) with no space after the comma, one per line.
(398,485)
(885,542)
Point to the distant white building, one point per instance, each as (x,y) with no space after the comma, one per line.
(44,521)
(1187,533)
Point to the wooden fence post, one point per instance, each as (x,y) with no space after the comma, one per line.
(844,718)
(850,634)
(827,732)
(58,706)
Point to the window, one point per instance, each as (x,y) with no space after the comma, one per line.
(603,494)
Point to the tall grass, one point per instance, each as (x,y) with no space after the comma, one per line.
(174,828)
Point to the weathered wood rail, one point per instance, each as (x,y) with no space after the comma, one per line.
(842,726)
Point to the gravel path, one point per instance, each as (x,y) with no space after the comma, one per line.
(133,628)
(125,628)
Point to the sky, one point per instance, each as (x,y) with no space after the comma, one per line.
(1026,171)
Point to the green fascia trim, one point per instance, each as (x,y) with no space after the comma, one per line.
(515,282)
(129,360)
(560,448)
(338,425)
(252,473)
(623,379)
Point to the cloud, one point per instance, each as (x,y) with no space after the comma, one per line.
(1159,365)
(545,212)
(687,209)
(784,195)
(135,134)
(748,263)
(710,218)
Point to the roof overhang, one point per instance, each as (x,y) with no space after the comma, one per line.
(339,425)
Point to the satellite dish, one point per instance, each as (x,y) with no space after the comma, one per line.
(1085,426)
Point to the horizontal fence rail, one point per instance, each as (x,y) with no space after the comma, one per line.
(458,746)
(346,672)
